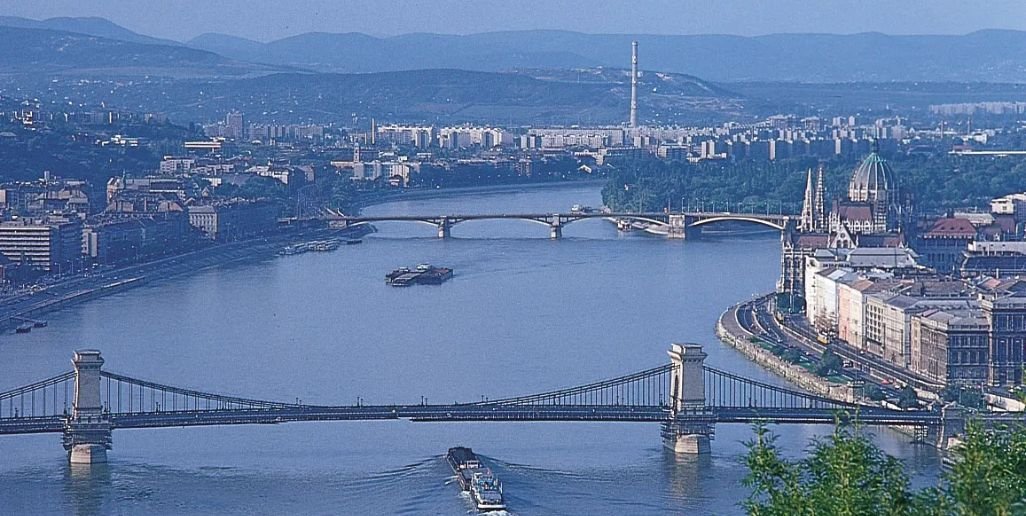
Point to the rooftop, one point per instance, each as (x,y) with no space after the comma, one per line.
(951,227)
(960,318)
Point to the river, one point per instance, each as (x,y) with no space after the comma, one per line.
(523,314)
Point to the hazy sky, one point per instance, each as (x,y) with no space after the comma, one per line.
(271,19)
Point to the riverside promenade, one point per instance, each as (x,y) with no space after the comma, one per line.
(739,328)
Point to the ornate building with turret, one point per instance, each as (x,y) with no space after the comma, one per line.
(874,214)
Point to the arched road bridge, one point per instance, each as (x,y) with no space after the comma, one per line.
(674,225)
(686,397)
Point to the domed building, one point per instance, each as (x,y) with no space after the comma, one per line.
(872,215)
(873,183)
(874,202)
(873,179)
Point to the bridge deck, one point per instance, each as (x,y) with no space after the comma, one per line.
(654,216)
(643,396)
(455,413)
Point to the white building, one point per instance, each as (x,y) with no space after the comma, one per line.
(1013,204)
(172,165)
(821,297)
(285,175)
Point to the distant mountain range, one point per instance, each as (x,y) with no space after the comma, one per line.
(514,77)
(189,83)
(92,26)
(40,52)
(982,56)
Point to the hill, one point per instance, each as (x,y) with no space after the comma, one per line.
(441,96)
(989,55)
(982,56)
(92,26)
(191,84)
(44,51)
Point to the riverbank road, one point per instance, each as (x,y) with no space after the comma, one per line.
(795,331)
(96,282)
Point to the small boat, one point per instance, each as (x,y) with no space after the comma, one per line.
(39,324)
(324,245)
(485,489)
(23,328)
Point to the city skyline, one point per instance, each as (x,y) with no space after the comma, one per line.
(187,19)
(613,236)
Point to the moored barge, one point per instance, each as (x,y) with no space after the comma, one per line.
(421,275)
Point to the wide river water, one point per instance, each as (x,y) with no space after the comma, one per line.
(523,314)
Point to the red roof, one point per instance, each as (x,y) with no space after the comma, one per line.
(812,240)
(880,240)
(854,211)
(950,227)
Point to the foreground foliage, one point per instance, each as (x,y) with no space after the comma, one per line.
(846,474)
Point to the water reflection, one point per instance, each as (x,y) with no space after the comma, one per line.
(86,487)
(684,474)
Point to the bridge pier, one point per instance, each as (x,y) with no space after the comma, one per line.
(444,228)
(555,228)
(952,424)
(690,428)
(87,432)
(678,229)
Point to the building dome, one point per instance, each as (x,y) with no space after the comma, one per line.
(872,181)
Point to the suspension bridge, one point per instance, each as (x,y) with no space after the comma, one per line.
(677,225)
(685,396)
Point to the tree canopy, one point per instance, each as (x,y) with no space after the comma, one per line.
(935,183)
(846,474)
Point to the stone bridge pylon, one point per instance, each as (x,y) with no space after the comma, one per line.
(691,434)
(87,433)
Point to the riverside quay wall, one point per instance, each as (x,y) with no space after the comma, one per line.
(730,332)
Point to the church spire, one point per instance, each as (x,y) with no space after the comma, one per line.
(820,215)
(808,222)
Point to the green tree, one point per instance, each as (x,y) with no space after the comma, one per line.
(989,478)
(846,474)
(908,398)
(874,392)
(793,355)
(934,182)
(1020,395)
(965,396)
(829,363)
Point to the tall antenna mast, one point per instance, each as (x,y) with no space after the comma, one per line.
(634,84)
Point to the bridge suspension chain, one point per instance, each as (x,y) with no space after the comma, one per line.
(126,395)
(728,390)
(46,398)
(648,388)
